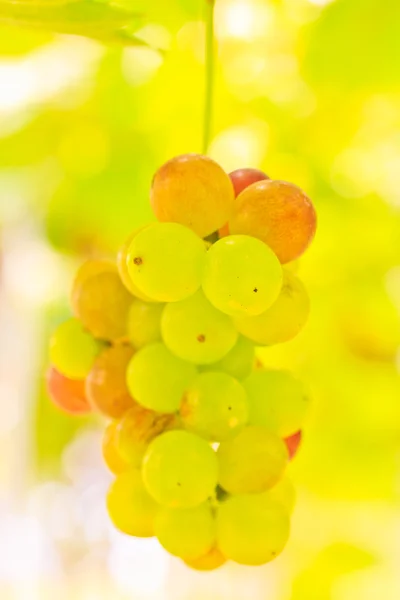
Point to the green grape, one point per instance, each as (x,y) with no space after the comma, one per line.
(157,379)
(122,266)
(166,261)
(137,428)
(186,532)
(252,529)
(209,562)
(283,493)
(100,301)
(180,470)
(238,362)
(193,190)
(130,507)
(106,386)
(196,331)
(111,455)
(242,276)
(73,350)
(252,462)
(283,320)
(144,321)
(277,400)
(214,406)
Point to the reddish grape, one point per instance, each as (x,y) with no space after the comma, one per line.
(106,383)
(279,214)
(292,443)
(195,191)
(67,394)
(242,178)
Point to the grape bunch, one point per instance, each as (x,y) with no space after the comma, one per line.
(162,343)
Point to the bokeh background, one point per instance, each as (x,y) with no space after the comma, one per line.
(309,91)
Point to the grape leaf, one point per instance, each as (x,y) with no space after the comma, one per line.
(106,21)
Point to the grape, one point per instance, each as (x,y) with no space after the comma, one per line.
(193,190)
(238,362)
(283,493)
(277,400)
(130,507)
(283,320)
(165,261)
(242,178)
(106,383)
(180,470)
(214,406)
(196,331)
(73,350)
(252,529)
(144,323)
(253,461)
(157,379)
(279,214)
(242,276)
(292,443)
(210,561)
(67,394)
(122,265)
(186,532)
(112,457)
(100,300)
(136,430)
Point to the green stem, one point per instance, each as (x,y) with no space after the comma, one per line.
(209,74)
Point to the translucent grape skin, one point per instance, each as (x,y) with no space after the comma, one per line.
(137,428)
(195,191)
(252,529)
(282,321)
(67,394)
(165,261)
(186,532)
(238,362)
(242,276)
(131,509)
(277,400)
(157,379)
(180,470)
(293,443)
(106,386)
(283,493)
(252,462)
(144,323)
(279,214)
(196,331)
(214,406)
(122,266)
(209,562)
(100,301)
(112,457)
(73,350)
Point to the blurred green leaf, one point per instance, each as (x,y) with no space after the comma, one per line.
(103,21)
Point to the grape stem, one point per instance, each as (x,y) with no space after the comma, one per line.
(209,74)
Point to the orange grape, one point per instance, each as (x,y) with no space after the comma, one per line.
(67,394)
(106,383)
(112,457)
(195,191)
(279,214)
(136,430)
(292,443)
(100,301)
